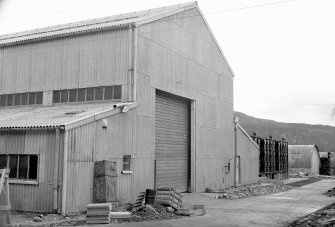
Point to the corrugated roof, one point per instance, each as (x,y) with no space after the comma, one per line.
(55,116)
(302,148)
(95,24)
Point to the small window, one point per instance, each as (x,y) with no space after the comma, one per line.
(17,99)
(90,94)
(99,93)
(24,99)
(108,93)
(32,98)
(3,161)
(10,100)
(13,161)
(117,92)
(3,100)
(87,94)
(73,95)
(39,97)
(126,162)
(56,97)
(23,167)
(81,95)
(64,96)
(33,163)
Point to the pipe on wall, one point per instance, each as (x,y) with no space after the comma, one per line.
(55,174)
(65,150)
(133,61)
(235,151)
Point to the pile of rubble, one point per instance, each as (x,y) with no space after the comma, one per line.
(323,217)
(153,212)
(252,190)
(154,204)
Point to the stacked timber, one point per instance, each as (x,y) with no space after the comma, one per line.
(140,200)
(98,213)
(120,215)
(169,196)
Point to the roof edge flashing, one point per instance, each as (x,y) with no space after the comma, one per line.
(60,127)
(117,108)
(248,136)
(91,25)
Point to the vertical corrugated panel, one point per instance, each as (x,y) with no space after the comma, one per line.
(207,178)
(142,177)
(126,134)
(172,140)
(249,154)
(2,62)
(79,186)
(89,60)
(181,57)
(81,144)
(25,197)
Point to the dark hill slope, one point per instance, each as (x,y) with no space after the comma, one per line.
(296,134)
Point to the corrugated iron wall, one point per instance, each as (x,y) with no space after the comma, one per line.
(32,197)
(178,55)
(89,60)
(249,155)
(90,143)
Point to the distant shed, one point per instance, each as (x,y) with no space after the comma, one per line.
(304,158)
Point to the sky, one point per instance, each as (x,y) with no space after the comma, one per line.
(282,52)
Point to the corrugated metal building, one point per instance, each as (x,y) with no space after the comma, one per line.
(152,84)
(247,165)
(304,158)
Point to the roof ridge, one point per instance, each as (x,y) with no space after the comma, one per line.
(128,18)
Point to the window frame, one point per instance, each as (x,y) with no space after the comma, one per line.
(9,100)
(126,160)
(84,91)
(18,180)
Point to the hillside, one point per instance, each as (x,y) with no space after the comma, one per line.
(296,134)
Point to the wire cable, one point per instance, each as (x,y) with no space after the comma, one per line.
(205,13)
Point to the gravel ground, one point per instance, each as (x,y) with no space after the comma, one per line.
(145,213)
(316,219)
(27,219)
(323,217)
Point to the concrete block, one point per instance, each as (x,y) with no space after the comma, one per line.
(104,189)
(105,168)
